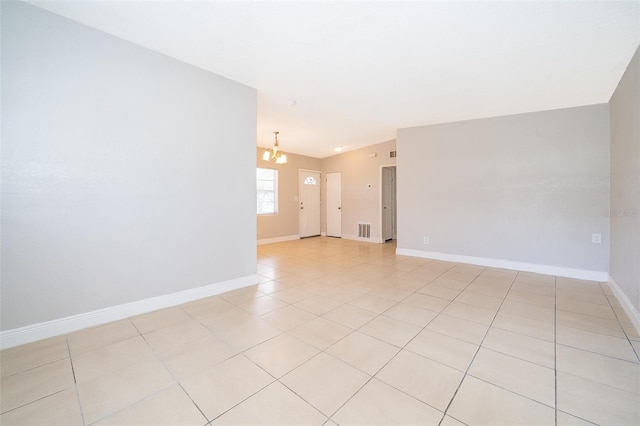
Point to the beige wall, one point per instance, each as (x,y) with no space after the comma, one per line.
(360,203)
(284,224)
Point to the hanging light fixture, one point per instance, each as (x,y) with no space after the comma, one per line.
(274,154)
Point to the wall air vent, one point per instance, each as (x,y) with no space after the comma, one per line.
(392,154)
(364,230)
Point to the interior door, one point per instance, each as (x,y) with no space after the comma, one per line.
(309,188)
(388,187)
(334,204)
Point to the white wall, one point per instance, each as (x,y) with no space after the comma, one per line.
(625,185)
(528,188)
(127,175)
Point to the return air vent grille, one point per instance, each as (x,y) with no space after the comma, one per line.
(364,230)
(392,154)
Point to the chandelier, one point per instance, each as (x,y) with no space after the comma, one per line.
(274,154)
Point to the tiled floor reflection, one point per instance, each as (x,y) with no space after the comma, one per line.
(348,333)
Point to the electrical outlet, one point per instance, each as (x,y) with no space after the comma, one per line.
(426,240)
(596,238)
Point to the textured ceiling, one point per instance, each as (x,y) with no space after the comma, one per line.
(359,70)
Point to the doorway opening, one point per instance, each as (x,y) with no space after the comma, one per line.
(388,204)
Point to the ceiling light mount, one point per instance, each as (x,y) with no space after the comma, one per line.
(274,153)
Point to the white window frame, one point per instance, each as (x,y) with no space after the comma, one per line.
(274,191)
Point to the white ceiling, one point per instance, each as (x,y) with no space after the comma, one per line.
(360,70)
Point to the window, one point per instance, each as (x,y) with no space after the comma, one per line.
(267,184)
(310,181)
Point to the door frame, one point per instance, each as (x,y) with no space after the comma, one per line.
(319,201)
(395,213)
(326,176)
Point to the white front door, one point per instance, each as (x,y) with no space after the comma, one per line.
(388,205)
(334,204)
(309,185)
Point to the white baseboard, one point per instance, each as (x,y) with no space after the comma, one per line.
(278,239)
(628,307)
(43,330)
(582,274)
(323,234)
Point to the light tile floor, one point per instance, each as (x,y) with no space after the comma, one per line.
(344,332)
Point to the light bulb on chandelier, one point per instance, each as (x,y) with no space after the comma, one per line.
(274,154)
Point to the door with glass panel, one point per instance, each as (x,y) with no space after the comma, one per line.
(309,208)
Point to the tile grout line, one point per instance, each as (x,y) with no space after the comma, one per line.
(588,351)
(302,398)
(371,377)
(243,352)
(555,315)
(626,335)
(275,379)
(35,400)
(146,397)
(466,372)
(400,348)
(396,302)
(409,341)
(157,356)
(501,387)
(329,417)
(240,353)
(32,368)
(352,330)
(593,331)
(75,383)
(280,334)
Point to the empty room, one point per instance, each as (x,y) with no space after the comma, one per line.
(320,213)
